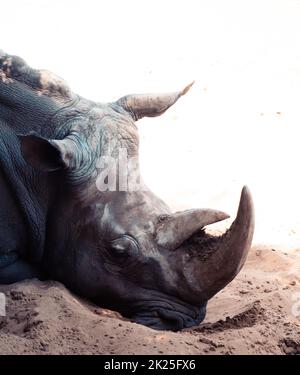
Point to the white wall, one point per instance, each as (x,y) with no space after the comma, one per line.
(238,125)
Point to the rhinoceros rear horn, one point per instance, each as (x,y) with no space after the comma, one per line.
(173,230)
(150,105)
(48,155)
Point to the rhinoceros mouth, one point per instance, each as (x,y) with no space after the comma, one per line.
(162,318)
(167,313)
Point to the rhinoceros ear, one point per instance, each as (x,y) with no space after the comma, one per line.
(172,230)
(150,105)
(47,155)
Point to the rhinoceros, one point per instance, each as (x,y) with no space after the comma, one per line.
(123,249)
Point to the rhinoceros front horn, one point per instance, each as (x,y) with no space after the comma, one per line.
(208,265)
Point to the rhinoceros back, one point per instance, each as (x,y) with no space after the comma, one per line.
(29,189)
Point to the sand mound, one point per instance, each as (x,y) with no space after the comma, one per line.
(255,314)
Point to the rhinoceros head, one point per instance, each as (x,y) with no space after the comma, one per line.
(109,237)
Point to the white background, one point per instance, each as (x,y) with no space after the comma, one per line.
(238,125)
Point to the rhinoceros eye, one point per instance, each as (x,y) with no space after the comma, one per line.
(124,246)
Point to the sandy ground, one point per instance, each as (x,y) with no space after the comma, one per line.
(258,313)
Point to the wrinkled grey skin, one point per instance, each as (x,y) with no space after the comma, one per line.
(124,250)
